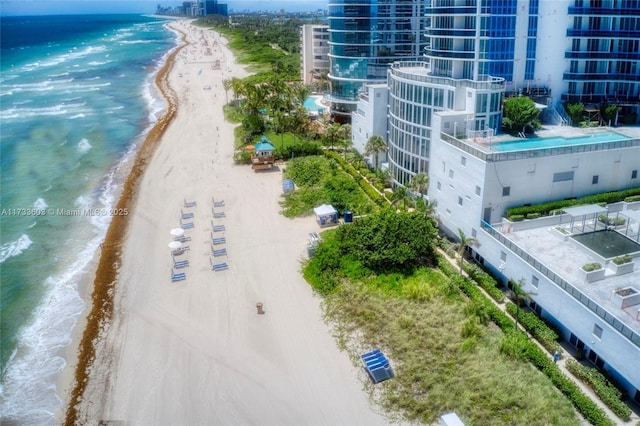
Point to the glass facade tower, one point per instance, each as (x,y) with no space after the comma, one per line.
(365,37)
(467,38)
(604,58)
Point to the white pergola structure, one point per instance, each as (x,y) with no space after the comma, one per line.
(585,212)
(631,215)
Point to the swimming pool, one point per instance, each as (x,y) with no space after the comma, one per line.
(555,142)
(311,105)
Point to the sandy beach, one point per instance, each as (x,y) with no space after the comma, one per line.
(195,351)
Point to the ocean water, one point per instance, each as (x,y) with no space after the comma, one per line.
(76,98)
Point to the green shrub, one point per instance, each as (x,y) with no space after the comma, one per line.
(485,281)
(516,217)
(537,327)
(632,199)
(611,221)
(608,393)
(528,350)
(589,267)
(621,260)
(533,215)
(553,207)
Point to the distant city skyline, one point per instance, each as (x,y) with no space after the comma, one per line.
(59,7)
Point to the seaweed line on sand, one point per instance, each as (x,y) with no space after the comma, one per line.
(106,273)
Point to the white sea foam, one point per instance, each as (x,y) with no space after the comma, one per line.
(73,117)
(14,248)
(40,204)
(84,146)
(28,394)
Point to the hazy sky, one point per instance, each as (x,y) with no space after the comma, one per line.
(49,7)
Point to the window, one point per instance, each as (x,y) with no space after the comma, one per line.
(597,331)
(450,173)
(463,161)
(534,281)
(474,233)
(594,179)
(439,186)
(562,176)
(459,201)
(478,190)
(634,174)
(506,191)
(503,256)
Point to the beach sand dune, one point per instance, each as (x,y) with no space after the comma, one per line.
(196,351)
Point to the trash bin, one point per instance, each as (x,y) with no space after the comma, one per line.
(348,216)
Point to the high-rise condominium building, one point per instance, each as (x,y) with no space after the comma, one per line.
(314,56)
(365,37)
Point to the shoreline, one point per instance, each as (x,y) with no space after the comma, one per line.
(194,351)
(106,272)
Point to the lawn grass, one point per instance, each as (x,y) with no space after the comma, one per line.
(444,358)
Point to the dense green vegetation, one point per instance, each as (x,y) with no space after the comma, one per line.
(270,46)
(607,392)
(520,115)
(445,352)
(545,209)
(320,180)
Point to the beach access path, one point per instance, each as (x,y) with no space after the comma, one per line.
(196,351)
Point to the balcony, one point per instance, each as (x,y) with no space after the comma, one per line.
(614,76)
(600,11)
(601,55)
(455,54)
(603,33)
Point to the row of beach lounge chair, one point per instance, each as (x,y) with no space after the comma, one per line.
(186,222)
(217,241)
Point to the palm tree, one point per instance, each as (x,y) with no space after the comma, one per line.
(228,85)
(463,244)
(419,183)
(332,134)
(401,195)
(374,146)
(520,296)
(345,135)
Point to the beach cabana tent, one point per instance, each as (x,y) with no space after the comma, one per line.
(264,148)
(326,214)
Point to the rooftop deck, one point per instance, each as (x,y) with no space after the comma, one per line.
(565,257)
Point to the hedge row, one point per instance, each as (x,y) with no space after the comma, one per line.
(608,393)
(585,406)
(485,281)
(366,187)
(547,208)
(538,328)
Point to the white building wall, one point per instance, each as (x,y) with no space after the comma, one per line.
(456,185)
(315,50)
(552,43)
(370,118)
(573,317)
(531,180)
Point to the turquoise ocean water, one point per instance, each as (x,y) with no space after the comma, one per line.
(76,98)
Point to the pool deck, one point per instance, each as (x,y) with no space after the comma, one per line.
(565,258)
(550,131)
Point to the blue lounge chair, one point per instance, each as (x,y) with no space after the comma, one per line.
(218,253)
(178,276)
(180,264)
(218,228)
(183,238)
(187,225)
(218,203)
(189,203)
(220,240)
(218,214)
(187,215)
(219,266)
